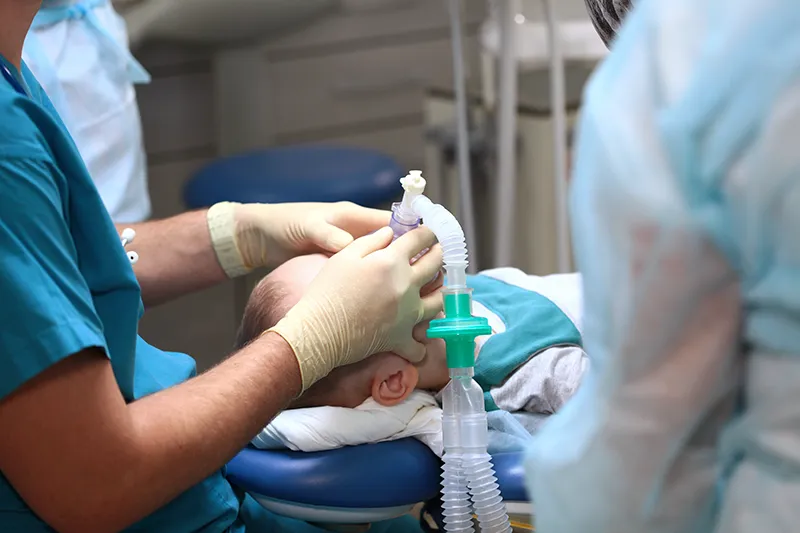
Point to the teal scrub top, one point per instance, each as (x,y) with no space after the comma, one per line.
(67,285)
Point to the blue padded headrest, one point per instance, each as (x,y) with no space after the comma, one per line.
(297,174)
(387,474)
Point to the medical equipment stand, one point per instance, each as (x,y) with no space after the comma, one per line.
(558,104)
(507,13)
(462,130)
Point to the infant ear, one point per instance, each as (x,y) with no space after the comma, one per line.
(394,380)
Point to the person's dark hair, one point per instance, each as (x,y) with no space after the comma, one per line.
(607,16)
(264,309)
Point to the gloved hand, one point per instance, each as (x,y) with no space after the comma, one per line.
(364,301)
(248,236)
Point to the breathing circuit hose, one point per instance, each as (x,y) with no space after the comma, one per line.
(467,473)
(450,236)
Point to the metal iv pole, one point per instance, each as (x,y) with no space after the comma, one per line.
(505,199)
(506,13)
(462,132)
(558,105)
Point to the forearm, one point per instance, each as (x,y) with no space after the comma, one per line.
(108,464)
(186,433)
(180,436)
(175,257)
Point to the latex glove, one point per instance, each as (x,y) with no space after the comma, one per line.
(248,236)
(365,300)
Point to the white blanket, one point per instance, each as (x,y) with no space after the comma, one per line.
(328,428)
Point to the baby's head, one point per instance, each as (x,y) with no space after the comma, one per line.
(387,378)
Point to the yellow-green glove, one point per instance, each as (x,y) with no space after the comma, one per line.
(248,236)
(364,301)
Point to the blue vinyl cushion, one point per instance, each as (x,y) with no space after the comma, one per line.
(297,174)
(510,473)
(386,474)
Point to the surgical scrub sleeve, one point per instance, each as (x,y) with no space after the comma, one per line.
(67,285)
(686,208)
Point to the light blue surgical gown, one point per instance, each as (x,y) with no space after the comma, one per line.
(78,51)
(686,213)
(66,284)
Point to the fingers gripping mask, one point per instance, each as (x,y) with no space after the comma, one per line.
(607,16)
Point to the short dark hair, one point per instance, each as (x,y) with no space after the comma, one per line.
(264,309)
(607,16)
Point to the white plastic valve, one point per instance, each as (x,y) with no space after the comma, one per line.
(414,183)
(413,186)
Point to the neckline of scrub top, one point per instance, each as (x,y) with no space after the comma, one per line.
(13,77)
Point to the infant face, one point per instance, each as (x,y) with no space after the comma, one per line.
(386,377)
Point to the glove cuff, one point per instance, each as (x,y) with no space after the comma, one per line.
(307,350)
(221,219)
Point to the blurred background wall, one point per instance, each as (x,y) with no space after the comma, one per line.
(358,76)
